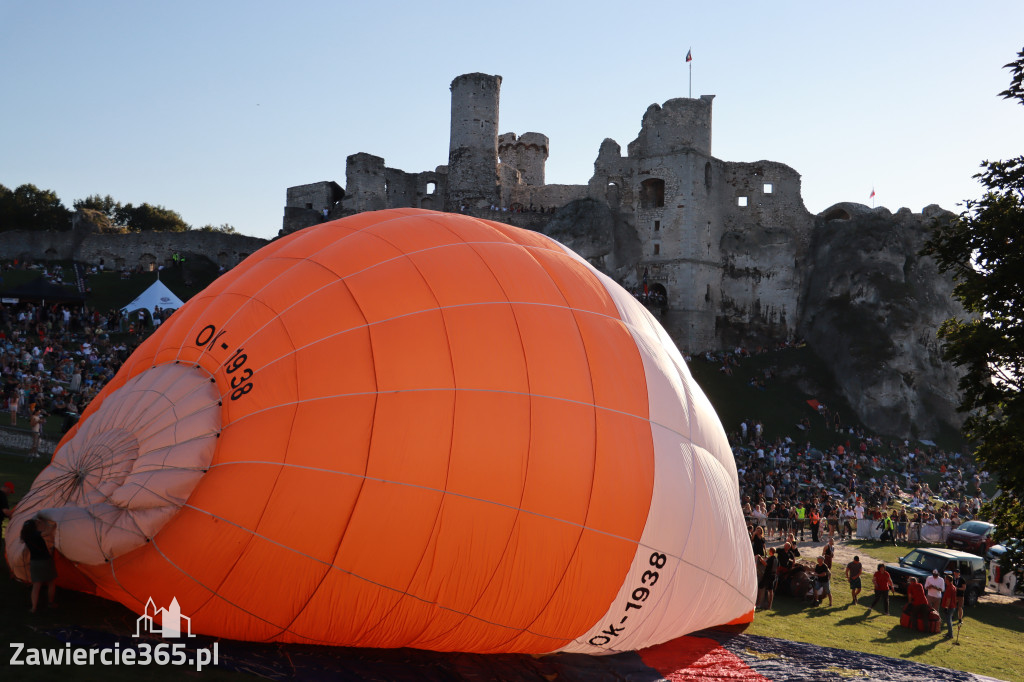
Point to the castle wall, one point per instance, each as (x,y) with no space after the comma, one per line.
(547,197)
(473,147)
(128,250)
(315,196)
(305,204)
(414,190)
(366,180)
(678,125)
(763,249)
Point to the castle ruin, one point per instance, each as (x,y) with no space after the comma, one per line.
(727,249)
(686,214)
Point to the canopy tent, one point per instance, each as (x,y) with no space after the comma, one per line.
(40,289)
(156,296)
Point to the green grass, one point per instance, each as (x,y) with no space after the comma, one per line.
(990,637)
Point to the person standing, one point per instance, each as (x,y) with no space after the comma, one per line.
(6,509)
(36,424)
(949,604)
(853,572)
(757,542)
(769,580)
(823,578)
(13,392)
(961,591)
(934,587)
(883,583)
(42,569)
(829,551)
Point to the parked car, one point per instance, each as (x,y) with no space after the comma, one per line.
(972,536)
(1000,580)
(919,563)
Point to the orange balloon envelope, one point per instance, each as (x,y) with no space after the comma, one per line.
(406,429)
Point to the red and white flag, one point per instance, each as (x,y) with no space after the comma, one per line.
(689,55)
(872,193)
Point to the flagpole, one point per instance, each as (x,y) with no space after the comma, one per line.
(689,62)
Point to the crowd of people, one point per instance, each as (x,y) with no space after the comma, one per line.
(55,358)
(792,485)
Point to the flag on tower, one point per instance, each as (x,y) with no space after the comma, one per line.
(872,193)
(689,55)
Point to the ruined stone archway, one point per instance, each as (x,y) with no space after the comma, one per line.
(658,295)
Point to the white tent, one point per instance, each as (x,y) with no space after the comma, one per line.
(156,296)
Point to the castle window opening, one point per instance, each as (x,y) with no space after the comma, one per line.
(657,248)
(657,225)
(767,188)
(707,177)
(309,205)
(741,201)
(431,187)
(652,193)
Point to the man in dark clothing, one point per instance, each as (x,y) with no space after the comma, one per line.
(769,580)
(961,591)
(853,571)
(822,587)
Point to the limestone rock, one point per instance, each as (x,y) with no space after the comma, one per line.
(872,306)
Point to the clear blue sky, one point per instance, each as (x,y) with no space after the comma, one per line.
(214,108)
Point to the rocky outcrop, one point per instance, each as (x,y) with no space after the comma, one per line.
(599,234)
(871,309)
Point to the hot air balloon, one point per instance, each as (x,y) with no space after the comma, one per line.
(406,429)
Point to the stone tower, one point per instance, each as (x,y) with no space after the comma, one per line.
(473,148)
(528,155)
(366,181)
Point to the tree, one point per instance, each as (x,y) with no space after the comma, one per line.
(225,228)
(147,217)
(105,205)
(31,208)
(983,248)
